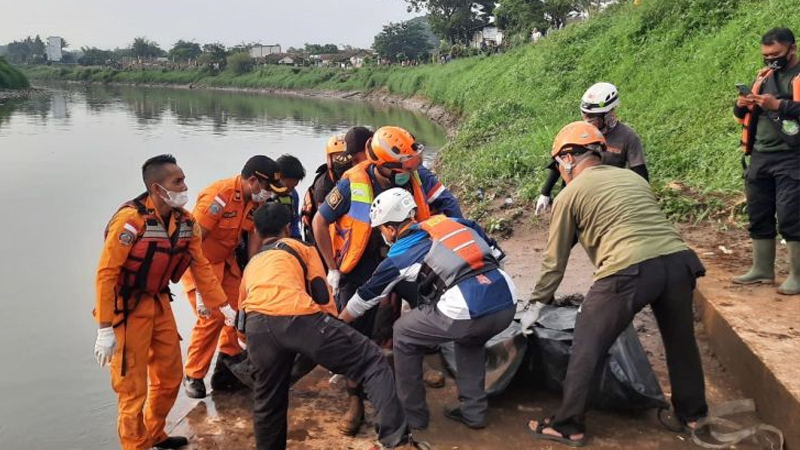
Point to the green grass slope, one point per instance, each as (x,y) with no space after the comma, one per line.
(674,61)
(11,78)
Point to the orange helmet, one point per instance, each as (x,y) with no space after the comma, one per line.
(394,148)
(578,134)
(335,145)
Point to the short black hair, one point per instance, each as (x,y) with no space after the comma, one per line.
(153,168)
(291,167)
(778,35)
(264,165)
(355,141)
(270,218)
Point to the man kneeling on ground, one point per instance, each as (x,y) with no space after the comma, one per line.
(468,299)
(289,311)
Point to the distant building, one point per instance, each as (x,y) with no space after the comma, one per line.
(490,36)
(287,60)
(53,49)
(260,51)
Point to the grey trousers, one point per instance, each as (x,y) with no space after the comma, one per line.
(425,328)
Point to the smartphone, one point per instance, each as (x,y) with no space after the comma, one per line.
(743,89)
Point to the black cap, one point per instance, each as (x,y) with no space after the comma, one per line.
(270,218)
(266,170)
(355,140)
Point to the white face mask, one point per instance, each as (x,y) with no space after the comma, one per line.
(386,240)
(262,196)
(175,199)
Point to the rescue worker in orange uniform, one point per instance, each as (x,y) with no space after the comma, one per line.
(394,159)
(342,154)
(289,312)
(150,242)
(224,211)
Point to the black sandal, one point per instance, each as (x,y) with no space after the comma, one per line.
(669,421)
(539,433)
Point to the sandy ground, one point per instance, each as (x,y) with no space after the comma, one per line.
(223,421)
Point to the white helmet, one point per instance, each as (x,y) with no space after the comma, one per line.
(600,99)
(394,205)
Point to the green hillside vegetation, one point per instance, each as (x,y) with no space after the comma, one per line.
(11,78)
(674,61)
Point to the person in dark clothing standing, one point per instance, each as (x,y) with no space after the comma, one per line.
(771,136)
(624,147)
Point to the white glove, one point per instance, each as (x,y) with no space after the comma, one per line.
(530,316)
(104,346)
(229,313)
(542,205)
(202,309)
(500,257)
(334,276)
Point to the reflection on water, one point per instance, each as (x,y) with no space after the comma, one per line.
(222,110)
(69,159)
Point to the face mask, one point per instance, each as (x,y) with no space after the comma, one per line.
(262,196)
(175,199)
(778,63)
(339,168)
(386,240)
(401,178)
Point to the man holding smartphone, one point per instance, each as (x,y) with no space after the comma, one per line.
(769,114)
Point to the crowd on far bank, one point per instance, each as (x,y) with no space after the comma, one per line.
(282,282)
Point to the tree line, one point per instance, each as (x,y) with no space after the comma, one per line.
(453,23)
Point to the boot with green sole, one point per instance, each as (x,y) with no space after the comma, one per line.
(763,269)
(792,284)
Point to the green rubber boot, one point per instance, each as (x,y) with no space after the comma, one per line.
(763,270)
(792,284)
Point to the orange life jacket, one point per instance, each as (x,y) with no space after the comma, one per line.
(353,230)
(458,252)
(749,121)
(155,258)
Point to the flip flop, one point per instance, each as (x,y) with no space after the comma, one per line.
(539,434)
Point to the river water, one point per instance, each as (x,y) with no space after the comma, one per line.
(69,159)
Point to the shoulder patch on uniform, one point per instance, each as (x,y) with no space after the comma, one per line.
(334,199)
(126,238)
(215,208)
(483,279)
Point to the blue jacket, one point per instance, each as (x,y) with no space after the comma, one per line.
(473,297)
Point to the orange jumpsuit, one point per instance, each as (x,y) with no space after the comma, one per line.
(222,210)
(149,337)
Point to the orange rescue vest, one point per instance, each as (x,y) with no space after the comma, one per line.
(155,258)
(352,231)
(458,252)
(749,121)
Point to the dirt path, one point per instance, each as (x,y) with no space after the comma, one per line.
(224,421)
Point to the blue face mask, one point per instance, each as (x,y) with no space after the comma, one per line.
(402,178)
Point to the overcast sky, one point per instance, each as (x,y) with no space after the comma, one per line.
(114,23)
